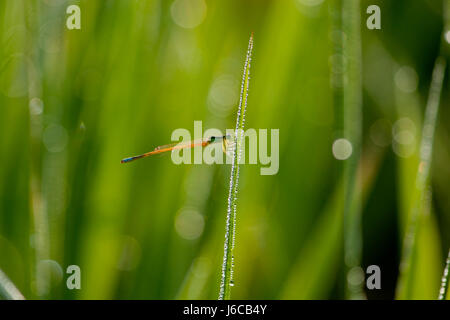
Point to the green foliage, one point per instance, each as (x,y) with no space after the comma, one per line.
(75,102)
(421,192)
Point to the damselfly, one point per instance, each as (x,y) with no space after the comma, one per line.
(226,146)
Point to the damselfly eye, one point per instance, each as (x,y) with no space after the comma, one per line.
(212,139)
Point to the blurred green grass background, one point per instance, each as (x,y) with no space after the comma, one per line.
(75,102)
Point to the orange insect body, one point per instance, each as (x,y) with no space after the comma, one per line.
(174,146)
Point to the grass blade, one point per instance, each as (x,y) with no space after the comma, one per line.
(228,259)
(7,288)
(445,278)
(352,120)
(407,264)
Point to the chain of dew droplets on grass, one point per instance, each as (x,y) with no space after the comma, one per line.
(445,279)
(230,231)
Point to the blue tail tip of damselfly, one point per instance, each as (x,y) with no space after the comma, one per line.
(126,160)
